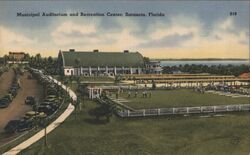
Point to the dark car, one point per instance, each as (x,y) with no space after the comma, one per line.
(30,100)
(52,104)
(9,97)
(19,125)
(51,92)
(16,85)
(47,109)
(4,103)
(13,92)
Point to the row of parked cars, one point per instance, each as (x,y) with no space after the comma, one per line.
(41,110)
(3,69)
(7,98)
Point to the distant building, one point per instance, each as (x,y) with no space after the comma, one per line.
(154,67)
(16,56)
(245,75)
(100,63)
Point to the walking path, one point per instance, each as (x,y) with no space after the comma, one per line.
(50,127)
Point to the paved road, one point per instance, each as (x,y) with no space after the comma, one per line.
(50,127)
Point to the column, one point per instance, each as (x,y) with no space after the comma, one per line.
(90,93)
(114,70)
(131,71)
(107,69)
(139,71)
(98,70)
(90,71)
(122,70)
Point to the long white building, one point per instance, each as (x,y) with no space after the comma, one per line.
(100,63)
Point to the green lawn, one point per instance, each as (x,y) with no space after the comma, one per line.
(178,98)
(154,136)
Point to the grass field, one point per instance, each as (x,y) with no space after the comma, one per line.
(178,98)
(161,136)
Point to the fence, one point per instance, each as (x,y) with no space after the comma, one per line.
(184,110)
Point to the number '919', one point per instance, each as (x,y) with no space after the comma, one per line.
(233,13)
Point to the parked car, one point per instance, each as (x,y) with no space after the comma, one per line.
(47,109)
(9,97)
(52,104)
(30,100)
(4,103)
(19,125)
(13,92)
(33,114)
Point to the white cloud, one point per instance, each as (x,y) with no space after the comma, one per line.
(87,35)
(222,33)
(11,40)
(226,24)
(71,33)
(179,26)
(162,36)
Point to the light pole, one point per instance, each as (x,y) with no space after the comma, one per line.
(44,124)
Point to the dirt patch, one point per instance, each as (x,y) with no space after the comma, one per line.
(29,87)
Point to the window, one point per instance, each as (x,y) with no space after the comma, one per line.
(67,71)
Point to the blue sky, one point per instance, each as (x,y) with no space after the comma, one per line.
(195,29)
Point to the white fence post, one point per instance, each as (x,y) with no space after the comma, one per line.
(187,110)
(143,112)
(214,109)
(239,107)
(227,108)
(159,111)
(173,110)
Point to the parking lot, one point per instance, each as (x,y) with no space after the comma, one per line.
(29,87)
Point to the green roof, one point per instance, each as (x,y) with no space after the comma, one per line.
(102,59)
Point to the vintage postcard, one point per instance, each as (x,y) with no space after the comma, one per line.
(125,77)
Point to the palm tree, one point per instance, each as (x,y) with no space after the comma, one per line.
(38,60)
(26,57)
(6,58)
(81,90)
(71,80)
